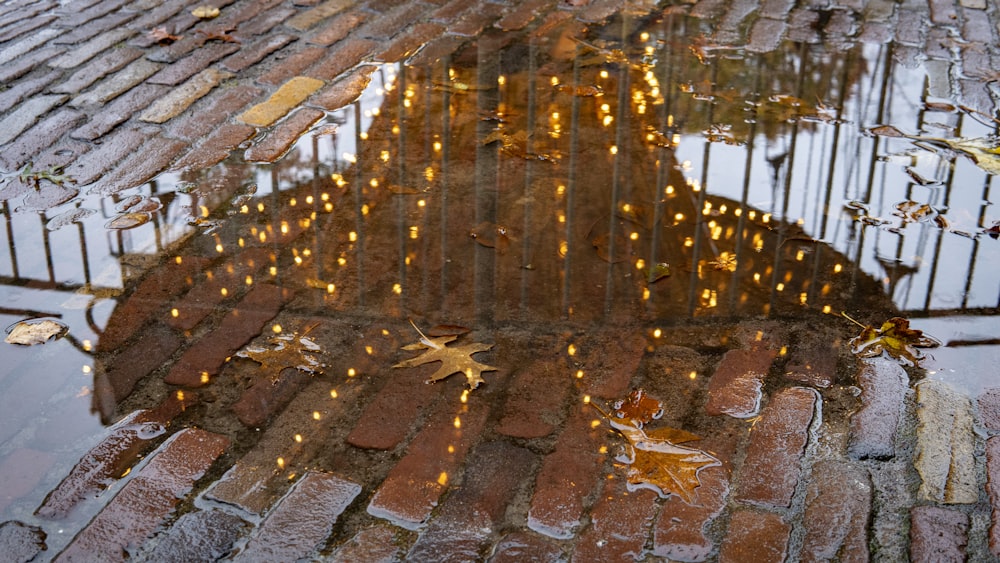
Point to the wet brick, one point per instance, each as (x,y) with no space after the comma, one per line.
(117,84)
(409,41)
(943,12)
(20,472)
(344,57)
(281,138)
(680,530)
(344,91)
(567,477)
(26,45)
(265,22)
(192,65)
(449,11)
(883,386)
(145,501)
(111,61)
(223,281)
(313,16)
(535,399)
(119,110)
(437,49)
(238,327)
(21,119)
(213,111)
(39,137)
(79,17)
(375,544)
(619,524)
(519,546)
(765,35)
(609,361)
(773,458)
(155,156)
(337,28)
(109,460)
(21,542)
(80,54)
(761,537)
(522,14)
(838,504)
(203,535)
(813,365)
(255,52)
(414,486)
(463,525)
(598,11)
(114,148)
(148,299)
(268,396)
(152,18)
(993,490)
(92,29)
(474,21)
(976,27)
(945,457)
(216,147)
(301,520)
(152,349)
(292,66)
(735,386)
(876,32)
(989,409)
(23,89)
(14,31)
(180,98)
(257,479)
(910,27)
(391,23)
(937,534)
(286,98)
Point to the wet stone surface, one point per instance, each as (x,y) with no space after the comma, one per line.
(251,224)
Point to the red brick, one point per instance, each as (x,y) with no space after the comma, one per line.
(389,24)
(344,91)
(761,537)
(302,520)
(108,461)
(14,31)
(212,111)
(408,42)
(344,57)
(414,486)
(375,544)
(598,10)
(148,498)
(989,409)
(155,156)
(337,28)
(437,49)
(814,365)
(119,375)
(178,99)
(26,114)
(20,472)
(993,490)
(773,459)
(608,362)
(266,397)
(41,136)
(148,299)
(242,324)
(461,528)
(619,525)
(473,22)
(21,542)
(255,52)
(937,534)
(202,535)
(118,111)
(450,11)
(216,147)
(838,503)
(280,139)
(225,280)
(175,73)
(567,478)
(883,385)
(680,530)
(292,66)
(313,16)
(110,61)
(535,399)
(77,18)
(735,387)
(525,546)
(943,12)
(83,52)
(522,14)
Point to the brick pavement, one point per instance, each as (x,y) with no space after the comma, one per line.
(401,470)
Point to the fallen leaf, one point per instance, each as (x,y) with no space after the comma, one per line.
(585,91)
(983,151)
(127,221)
(205,12)
(895,338)
(515,145)
(456,359)
(31,332)
(659,271)
(217,35)
(638,407)
(725,262)
(286,351)
(162,36)
(914,212)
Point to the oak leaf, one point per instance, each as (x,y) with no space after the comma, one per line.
(454,359)
(286,351)
(638,407)
(895,338)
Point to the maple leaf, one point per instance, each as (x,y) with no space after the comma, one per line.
(456,359)
(894,337)
(286,351)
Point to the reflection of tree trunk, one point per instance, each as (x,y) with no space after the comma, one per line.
(486,176)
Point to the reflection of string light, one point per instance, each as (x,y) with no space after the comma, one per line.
(458,422)
(298,438)
(281,462)
(693,375)
(571,349)
(273,270)
(276,328)
(224,292)
(604,74)
(316,415)
(175,313)
(465,396)
(837,268)
(204,377)
(87,345)
(443,478)
(586,399)
(657,333)
(86,369)
(351,372)
(595,423)
(579,374)
(333,393)
(640,263)
(352,236)
(248,280)
(397,289)
(613,149)
(826,309)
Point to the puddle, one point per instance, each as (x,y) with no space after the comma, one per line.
(629,175)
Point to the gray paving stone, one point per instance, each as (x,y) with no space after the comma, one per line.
(26,114)
(945,456)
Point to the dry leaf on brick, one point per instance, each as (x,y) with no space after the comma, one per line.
(454,359)
(895,338)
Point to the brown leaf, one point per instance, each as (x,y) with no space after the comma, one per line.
(217,35)
(638,408)
(895,338)
(455,359)
(162,36)
(286,351)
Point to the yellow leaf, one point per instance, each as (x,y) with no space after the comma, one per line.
(456,359)
(205,12)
